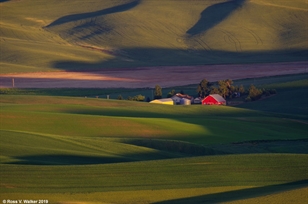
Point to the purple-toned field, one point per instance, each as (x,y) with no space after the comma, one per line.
(166,76)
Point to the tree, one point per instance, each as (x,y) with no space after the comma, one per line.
(139,98)
(203,88)
(241,89)
(223,88)
(171,93)
(214,90)
(120,97)
(254,93)
(158,92)
(136,98)
(226,88)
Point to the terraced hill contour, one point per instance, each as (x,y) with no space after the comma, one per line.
(83,35)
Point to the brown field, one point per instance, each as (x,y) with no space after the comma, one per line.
(142,77)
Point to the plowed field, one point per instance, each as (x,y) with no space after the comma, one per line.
(166,76)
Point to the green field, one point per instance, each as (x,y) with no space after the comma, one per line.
(92,35)
(76,149)
(75,146)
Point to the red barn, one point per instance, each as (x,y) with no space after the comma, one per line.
(214,99)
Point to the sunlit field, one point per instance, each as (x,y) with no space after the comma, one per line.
(73,145)
(82,35)
(69,149)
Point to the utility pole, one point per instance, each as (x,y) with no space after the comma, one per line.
(13,82)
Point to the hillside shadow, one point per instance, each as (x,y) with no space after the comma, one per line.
(213,15)
(142,57)
(239,194)
(59,159)
(248,147)
(167,149)
(66,160)
(77,17)
(144,113)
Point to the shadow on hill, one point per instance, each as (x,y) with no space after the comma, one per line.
(185,115)
(213,15)
(59,159)
(240,194)
(66,160)
(76,17)
(185,148)
(249,147)
(169,149)
(175,57)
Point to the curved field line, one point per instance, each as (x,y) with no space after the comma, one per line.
(255,36)
(232,39)
(204,45)
(260,2)
(209,48)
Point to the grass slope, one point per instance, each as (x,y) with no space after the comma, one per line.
(201,179)
(291,90)
(44,149)
(70,149)
(97,117)
(81,35)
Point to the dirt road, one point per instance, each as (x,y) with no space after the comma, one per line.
(166,76)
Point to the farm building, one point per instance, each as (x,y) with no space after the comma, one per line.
(178,97)
(214,99)
(197,100)
(165,101)
(185,101)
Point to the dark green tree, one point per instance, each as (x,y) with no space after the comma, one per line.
(120,97)
(158,92)
(226,88)
(254,93)
(136,98)
(171,93)
(214,90)
(241,89)
(139,98)
(203,88)
(223,88)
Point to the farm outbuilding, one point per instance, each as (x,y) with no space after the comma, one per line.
(165,101)
(177,98)
(214,99)
(197,100)
(185,101)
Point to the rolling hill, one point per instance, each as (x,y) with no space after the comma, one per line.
(92,35)
(59,149)
(67,150)
(92,150)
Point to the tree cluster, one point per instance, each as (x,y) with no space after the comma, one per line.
(133,98)
(223,88)
(226,89)
(255,93)
(157,95)
(136,98)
